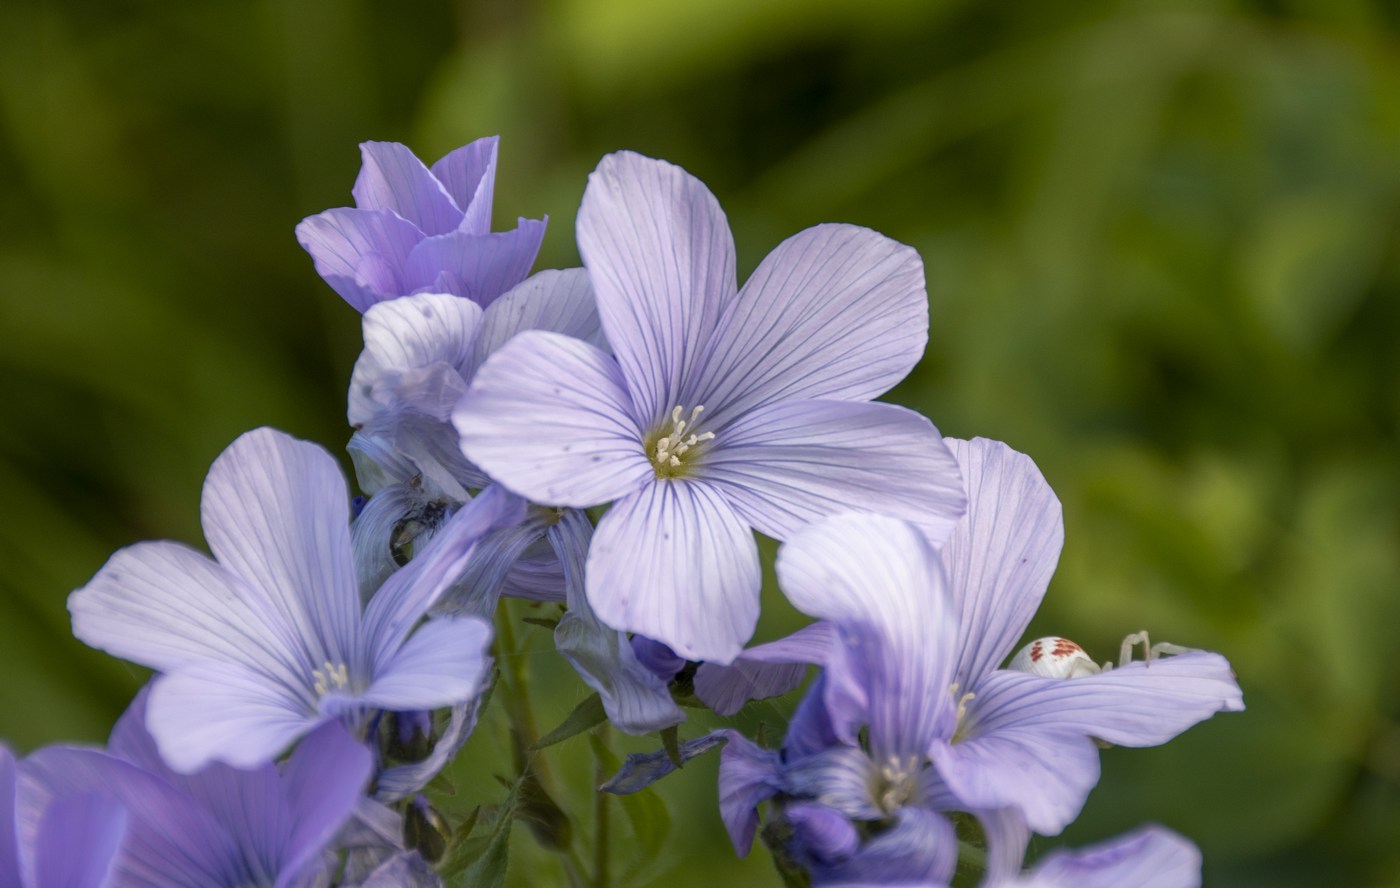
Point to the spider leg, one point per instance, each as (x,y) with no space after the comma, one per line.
(1125,653)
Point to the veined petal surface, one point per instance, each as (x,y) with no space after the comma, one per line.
(549,417)
(659,253)
(674,562)
(469,175)
(360,252)
(789,464)
(1001,554)
(442,663)
(407,334)
(836,312)
(276,513)
(1150,857)
(765,670)
(393,178)
(479,267)
(878,580)
(559,301)
(80,838)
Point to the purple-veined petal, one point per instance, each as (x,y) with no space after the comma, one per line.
(675,563)
(641,770)
(765,670)
(170,838)
(836,312)
(811,729)
(399,781)
(748,775)
(164,605)
(559,301)
(469,175)
(822,834)
(411,591)
(393,178)
(441,664)
(225,712)
(1001,555)
(276,513)
(9,837)
(80,838)
(405,870)
(789,464)
(372,534)
(319,791)
(479,267)
(360,253)
(548,417)
(920,849)
(841,777)
(417,449)
(1045,775)
(378,462)
(878,580)
(1149,857)
(1007,836)
(414,333)
(659,253)
(1140,704)
(636,700)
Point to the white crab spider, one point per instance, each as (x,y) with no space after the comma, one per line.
(1055,657)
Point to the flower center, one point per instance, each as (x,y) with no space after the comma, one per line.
(673,446)
(331,677)
(897,783)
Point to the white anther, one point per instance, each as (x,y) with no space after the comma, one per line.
(671,446)
(331,677)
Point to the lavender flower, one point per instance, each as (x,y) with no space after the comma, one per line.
(724,409)
(887,728)
(218,828)
(420,230)
(261,645)
(71,840)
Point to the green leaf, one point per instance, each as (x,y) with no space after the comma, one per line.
(586,716)
(670,741)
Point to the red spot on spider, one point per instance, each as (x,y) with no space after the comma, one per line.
(1036,652)
(1064,647)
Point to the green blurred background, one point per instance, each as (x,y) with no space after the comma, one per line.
(1160,241)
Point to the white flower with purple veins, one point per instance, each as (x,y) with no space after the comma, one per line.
(724,409)
(269,639)
(420,230)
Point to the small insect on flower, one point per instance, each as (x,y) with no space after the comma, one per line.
(1056,657)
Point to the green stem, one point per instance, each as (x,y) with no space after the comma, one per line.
(600,816)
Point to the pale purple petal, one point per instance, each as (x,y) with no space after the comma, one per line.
(399,781)
(636,700)
(1140,704)
(841,777)
(171,840)
(641,770)
(479,590)
(225,712)
(765,670)
(748,775)
(469,175)
(479,267)
(1150,857)
(811,729)
(920,849)
(1007,836)
(1001,555)
(559,301)
(548,417)
(659,253)
(372,534)
(320,788)
(402,871)
(276,513)
(675,563)
(166,606)
(880,582)
(425,332)
(80,838)
(836,312)
(410,592)
(789,464)
(9,842)
(360,252)
(823,834)
(441,664)
(1044,775)
(418,449)
(393,178)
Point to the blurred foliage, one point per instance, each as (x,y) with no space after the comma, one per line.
(1161,249)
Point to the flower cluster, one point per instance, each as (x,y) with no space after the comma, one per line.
(604,440)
